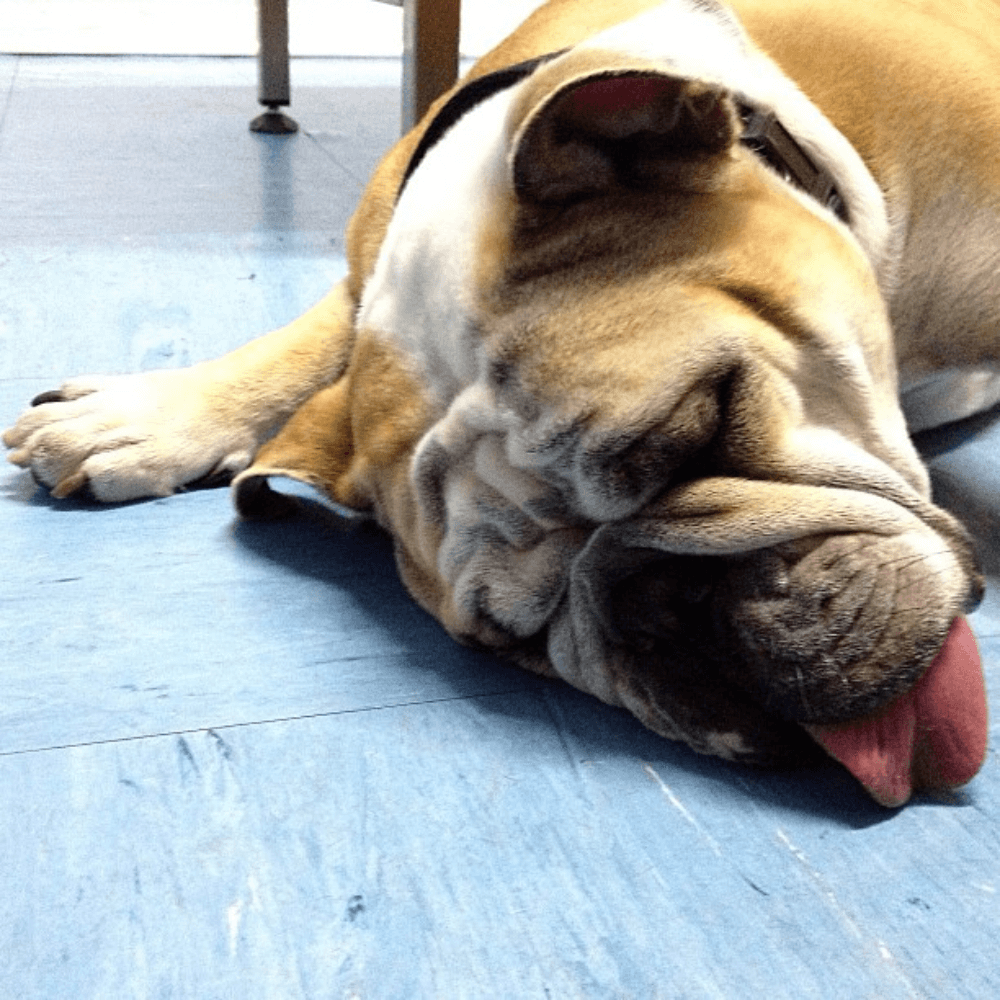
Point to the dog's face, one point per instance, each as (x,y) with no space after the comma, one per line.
(627,403)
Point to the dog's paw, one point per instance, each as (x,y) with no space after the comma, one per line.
(128,436)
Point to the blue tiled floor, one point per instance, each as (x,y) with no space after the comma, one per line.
(236,761)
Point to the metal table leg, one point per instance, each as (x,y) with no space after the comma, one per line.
(273,86)
(430,59)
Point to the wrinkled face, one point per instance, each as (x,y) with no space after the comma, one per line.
(708,380)
(664,457)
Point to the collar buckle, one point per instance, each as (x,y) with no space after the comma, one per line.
(771,141)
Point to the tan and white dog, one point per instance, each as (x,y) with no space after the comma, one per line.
(634,324)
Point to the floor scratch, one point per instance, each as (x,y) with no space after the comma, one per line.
(840,912)
(712,843)
(683,810)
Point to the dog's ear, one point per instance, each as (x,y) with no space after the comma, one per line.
(350,440)
(314,447)
(628,129)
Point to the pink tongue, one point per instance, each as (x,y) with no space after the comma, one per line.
(934,736)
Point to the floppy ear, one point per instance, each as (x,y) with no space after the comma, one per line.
(351,439)
(630,129)
(315,446)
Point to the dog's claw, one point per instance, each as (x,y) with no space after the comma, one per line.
(70,485)
(50,396)
(214,479)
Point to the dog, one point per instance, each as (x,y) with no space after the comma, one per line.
(635,325)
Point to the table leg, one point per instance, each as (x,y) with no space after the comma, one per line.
(273,86)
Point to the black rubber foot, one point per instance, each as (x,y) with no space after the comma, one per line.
(273,123)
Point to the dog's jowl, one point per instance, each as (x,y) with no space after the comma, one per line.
(636,325)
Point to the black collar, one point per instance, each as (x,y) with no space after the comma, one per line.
(762,133)
(464,100)
(771,141)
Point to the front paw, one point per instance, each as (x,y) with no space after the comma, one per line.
(128,436)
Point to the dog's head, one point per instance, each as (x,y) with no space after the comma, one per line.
(626,401)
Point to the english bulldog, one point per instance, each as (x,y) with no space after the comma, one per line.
(635,323)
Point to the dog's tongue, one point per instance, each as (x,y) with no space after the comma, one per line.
(934,736)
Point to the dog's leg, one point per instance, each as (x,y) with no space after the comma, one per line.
(146,434)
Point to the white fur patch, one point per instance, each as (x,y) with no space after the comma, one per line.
(420,294)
